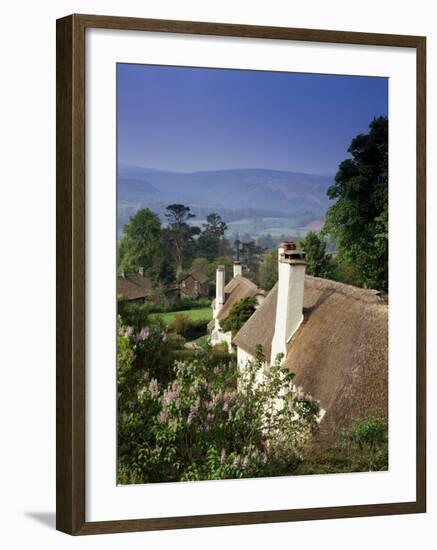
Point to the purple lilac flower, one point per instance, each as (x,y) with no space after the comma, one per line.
(180,366)
(170,395)
(144,333)
(223,457)
(194,409)
(141,393)
(237,461)
(153,387)
(162,417)
(129,331)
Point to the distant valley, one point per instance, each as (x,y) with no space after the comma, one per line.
(252,201)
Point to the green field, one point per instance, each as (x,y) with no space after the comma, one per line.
(204,313)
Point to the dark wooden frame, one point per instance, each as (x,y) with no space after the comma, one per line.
(70,297)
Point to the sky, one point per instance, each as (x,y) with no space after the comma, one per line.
(191,119)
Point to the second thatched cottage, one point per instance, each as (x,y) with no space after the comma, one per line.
(227,295)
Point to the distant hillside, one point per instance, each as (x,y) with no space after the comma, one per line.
(237,195)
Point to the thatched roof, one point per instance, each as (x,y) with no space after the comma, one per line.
(238,288)
(339,354)
(259,328)
(133,286)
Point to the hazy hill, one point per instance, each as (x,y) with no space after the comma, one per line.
(243,194)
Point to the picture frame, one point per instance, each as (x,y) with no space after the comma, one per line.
(71,300)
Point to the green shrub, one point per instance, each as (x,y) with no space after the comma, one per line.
(132,314)
(189,328)
(179,305)
(362,448)
(240,313)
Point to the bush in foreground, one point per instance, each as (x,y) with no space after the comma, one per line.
(208,422)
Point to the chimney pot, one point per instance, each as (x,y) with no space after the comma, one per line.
(288,245)
(238,270)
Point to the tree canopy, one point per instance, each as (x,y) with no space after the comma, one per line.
(180,233)
(268,269)
(358,221)
(315,255)
(140,245)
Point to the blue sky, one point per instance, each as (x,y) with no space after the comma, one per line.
(191,119)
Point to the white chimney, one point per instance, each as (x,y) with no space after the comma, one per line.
(219,289)
(238,270)
(289,305)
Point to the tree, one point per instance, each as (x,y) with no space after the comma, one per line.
(237,244)
(200,265)
(268,269)
(242,310)
(215,225)
(208,245)
(317,261)
(140,245)
(250,255)
(358,221)
(180,232)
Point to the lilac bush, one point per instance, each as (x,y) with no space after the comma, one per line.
(207,422)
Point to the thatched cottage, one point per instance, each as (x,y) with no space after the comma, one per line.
(227,296)
(134,286)
(333,336)
(137,286)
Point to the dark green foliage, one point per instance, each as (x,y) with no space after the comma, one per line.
(268,270)
(135,315)
(211,242)
(342,269)
(180,233)
(358,221)
(318,264)
(242,310)
(188,328)
(179,305)
(362,448)
(249,254)
(208,246)
(215,225)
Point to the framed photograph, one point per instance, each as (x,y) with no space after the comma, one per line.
(240,274)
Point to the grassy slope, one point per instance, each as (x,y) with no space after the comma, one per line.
(204,313)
